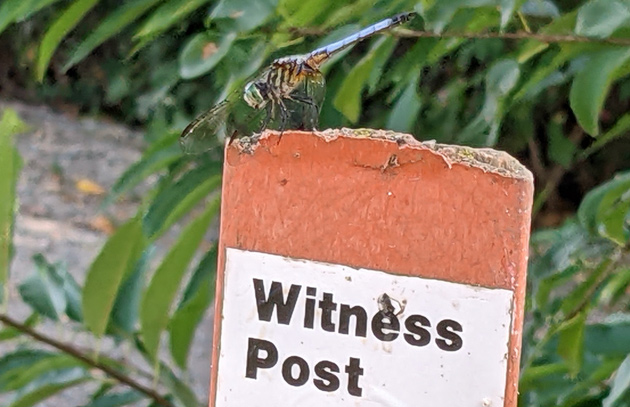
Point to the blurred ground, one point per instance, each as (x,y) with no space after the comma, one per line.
(67,161)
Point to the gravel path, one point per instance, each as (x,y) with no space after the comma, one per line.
(62,221)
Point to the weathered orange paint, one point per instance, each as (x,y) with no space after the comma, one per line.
(382,201)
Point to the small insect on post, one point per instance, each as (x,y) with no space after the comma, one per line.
(367,268)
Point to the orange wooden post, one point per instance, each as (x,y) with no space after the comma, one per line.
(361,267)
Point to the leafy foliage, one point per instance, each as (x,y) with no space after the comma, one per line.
(10,124)
(546,80)
(576,337)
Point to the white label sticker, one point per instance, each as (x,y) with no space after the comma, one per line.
(304,333)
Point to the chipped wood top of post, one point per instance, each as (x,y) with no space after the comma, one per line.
(485,159)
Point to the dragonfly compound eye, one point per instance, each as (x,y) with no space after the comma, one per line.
(254,95)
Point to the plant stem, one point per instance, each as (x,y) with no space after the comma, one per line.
(519,35)
(556,174)
(8,321)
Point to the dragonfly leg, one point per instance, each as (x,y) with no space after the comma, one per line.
(306,100)
(268,115)
(232,137)
(284,117)
(314,120)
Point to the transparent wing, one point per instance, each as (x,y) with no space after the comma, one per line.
(207,129)
(244,121)
(200,135)
(306,101)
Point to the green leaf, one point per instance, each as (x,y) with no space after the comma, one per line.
(616,288)
(609,337)
(195,300)
(126,307)
(116,399)
(11,333)
(547,73)
(188,202)
(507,10)
(441,48)
(42,370)
(102,390)
(549,283)
(612,212)
(530,49)
(185,320)
(300,13)
(410,65)
(502,77)
(16,10)
(561,148)
(532,377)
(167,15)
(621,128)
(348,98)
(589,207)
(45,391)
(541,8)
(343,13)
(122,16)
(381,56)
(442,12)
(49,385)
(57,275)
(160,155)
(559,25)
(177,387)
(591,85)
(59,29)
(44,295)
(571,342)
(156,303)
(404,114)
(207,267)
(10,164)
(176,199)
(17,362)
(244,58)
(594,375)
(600,18)
(107,273)
(483,130)
(245,15)
(620,388)
(202,53)
(579,299)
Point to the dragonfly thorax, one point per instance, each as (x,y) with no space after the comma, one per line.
(256,94)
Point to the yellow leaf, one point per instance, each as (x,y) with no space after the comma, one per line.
(102,224)
(89,187)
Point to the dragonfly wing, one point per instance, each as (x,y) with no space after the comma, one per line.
(200,135)
(244,120)
(316,88)
(306,102)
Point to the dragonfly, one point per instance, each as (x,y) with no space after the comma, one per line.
(290,91)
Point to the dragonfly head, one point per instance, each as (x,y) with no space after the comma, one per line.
(255,94)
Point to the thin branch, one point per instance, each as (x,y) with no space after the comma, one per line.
(519,35)
(538,168)
(556,174)
(8,321)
